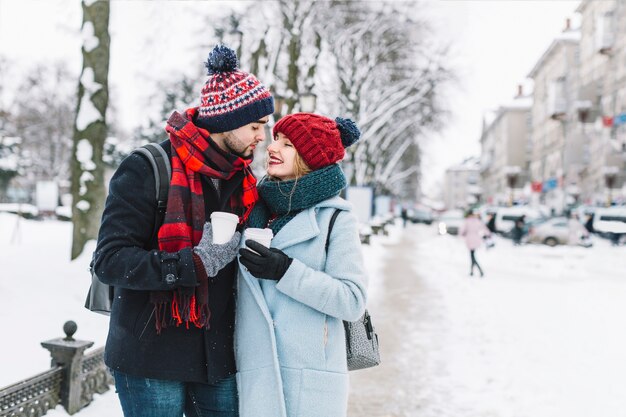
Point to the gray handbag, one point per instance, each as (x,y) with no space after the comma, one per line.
(361,338)
(361,343)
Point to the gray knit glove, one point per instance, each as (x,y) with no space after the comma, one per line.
(214,256)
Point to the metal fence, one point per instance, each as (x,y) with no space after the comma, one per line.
(71,382)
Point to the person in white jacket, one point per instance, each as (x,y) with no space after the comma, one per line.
(292,298)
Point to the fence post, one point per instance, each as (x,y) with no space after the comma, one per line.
(68,353)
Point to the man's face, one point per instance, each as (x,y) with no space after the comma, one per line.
(242,141)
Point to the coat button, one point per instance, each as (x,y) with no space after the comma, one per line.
(170,279)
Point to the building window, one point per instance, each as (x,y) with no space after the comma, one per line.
(557,98)
(605,32)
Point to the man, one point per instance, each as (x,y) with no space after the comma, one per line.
(170,341)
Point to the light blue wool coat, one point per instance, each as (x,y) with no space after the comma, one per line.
(290,344)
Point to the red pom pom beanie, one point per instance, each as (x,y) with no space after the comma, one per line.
(320,141)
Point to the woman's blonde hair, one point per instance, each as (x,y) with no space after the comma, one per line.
(300,168)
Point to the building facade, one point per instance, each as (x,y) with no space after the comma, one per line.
(602,71)
(505,154)
(462,184)
(557,140)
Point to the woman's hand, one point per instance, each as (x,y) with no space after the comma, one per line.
(265,263)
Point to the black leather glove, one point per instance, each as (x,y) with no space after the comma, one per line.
(266,263)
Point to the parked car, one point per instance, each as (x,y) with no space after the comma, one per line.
(557,231)
(450,222)
(506,217)
(610,223)
(610,220)
(421,216)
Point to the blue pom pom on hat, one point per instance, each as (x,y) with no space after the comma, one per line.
(221,59)
(231,98)
(348,130)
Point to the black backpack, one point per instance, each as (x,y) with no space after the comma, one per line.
(100,296)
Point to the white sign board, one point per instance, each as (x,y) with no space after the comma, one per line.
(382,205)
(47,195)
(361,199)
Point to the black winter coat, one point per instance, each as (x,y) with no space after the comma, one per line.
(128,258)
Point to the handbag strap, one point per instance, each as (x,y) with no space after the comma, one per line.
(330,228)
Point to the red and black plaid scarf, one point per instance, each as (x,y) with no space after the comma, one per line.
(195,154)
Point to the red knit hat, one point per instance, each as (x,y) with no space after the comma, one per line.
(319,140)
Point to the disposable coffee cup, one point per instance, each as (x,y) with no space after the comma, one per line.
(224,225)
(263,236)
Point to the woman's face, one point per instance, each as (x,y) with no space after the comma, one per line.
(281,158)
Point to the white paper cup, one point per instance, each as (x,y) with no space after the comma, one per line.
(263,236)
(224,225)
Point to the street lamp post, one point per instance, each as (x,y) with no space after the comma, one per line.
(279,102)
(307,102)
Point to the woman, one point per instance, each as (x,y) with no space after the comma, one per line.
(290,345)
(473,230)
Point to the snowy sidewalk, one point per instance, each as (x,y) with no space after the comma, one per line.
(541,336)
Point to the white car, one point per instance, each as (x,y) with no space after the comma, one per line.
(559,231)
(450,222)
(506,217)
(610,220)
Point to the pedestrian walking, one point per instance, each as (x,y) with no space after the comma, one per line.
(294,297)
(589,223)
(405,216)
(491,223)
(473,231)
(170,342)
(518,231)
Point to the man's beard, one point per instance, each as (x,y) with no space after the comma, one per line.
(231,142)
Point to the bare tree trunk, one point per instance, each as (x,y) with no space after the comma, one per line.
(90,129)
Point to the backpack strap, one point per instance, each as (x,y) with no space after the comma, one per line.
(330,227)
(162,171)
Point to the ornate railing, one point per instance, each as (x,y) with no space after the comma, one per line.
(32,397)
(71,382)
(95,377)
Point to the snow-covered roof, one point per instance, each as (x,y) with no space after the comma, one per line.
(569,36)
(518,103)
(469,164)
(583,4)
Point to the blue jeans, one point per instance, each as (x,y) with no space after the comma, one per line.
(145,397)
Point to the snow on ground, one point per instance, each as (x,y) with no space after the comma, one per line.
(551,318)
(541,335)
(40,289)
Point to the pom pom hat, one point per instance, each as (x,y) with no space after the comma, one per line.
(319,140)
(231,98)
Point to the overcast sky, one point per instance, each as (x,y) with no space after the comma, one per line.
(494,46)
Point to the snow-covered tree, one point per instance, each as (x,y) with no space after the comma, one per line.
(9,161)
(280,44)
(170,95)
(389,74)
(42,113)
(374,62)
(90,128)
